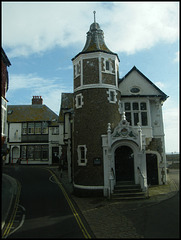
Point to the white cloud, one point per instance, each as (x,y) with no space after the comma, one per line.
(32,85)
(159,84)
(171,126)
(65,68)
(31,27)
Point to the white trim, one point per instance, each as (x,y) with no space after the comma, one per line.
(87,187)
(109,95)
(77,101)
(97,86)
(79,155)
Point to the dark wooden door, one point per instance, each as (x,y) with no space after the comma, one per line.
(152,169)
(124,164)
(55,153)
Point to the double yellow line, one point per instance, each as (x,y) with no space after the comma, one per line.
(76,215)
(11,220)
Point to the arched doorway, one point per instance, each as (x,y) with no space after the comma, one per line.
(152,169)
(124,164)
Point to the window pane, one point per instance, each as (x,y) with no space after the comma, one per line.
(37,152)
(23,152)
(79,101)
(112,96)
(31,128)
(135,106)
(128,117)
(45,128)
(24,128)
(143,106)
(127,106)
(107,65)
(136,119)
(144,119)
(30,152)
(82,151)
(45,153)
(37,128)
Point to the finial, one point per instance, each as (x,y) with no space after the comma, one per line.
(94,16)
(123,116)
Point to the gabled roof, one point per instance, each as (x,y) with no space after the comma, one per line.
(161,93)
(30,113)
(66,105)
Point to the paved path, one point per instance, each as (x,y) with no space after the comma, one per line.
(109,219)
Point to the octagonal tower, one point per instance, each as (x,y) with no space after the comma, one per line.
(96,98)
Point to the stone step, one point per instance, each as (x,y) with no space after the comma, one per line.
(128,198)
(128,194)
(127,190)
(135,186)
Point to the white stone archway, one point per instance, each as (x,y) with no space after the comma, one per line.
(123,135)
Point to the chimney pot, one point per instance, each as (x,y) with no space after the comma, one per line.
(37,100)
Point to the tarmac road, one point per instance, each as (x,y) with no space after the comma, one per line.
(49,211)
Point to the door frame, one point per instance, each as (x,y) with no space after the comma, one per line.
(135,150)
(120,162)
(158,161)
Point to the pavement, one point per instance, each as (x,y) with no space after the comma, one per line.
(9,190)
(103,215)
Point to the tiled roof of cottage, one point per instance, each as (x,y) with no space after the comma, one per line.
(30,113)
(66,105)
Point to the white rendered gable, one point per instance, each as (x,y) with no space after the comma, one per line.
(136,80)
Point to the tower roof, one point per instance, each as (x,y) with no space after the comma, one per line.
(95,40)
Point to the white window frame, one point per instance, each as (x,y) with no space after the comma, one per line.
(55,130)
(82,161)
(77,69)
(139,112)
(110,70)
(109,92)
(77,98)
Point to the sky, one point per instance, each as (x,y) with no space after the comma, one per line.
(41,38)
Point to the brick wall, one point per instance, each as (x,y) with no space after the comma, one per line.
(4,79)
(90,122)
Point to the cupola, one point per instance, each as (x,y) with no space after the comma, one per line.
(95,40)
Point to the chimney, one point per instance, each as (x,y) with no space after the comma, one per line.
(37,100)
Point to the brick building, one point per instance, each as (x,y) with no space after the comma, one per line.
(4,88)
(116,124)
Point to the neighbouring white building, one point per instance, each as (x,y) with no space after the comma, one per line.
(34,134)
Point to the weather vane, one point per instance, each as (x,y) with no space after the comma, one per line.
(94,16)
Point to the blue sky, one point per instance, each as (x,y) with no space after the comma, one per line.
(41,38)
